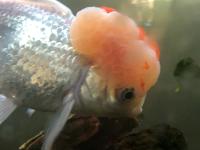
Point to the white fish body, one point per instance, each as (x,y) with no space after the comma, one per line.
(39,69)
(37,61)
(37,64)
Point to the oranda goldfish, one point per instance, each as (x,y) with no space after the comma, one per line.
(97,62)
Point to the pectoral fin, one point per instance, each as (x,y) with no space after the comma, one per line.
(6,108)
(58,123)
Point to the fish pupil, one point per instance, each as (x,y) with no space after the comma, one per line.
(127,94)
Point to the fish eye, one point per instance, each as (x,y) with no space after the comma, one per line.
(126,94)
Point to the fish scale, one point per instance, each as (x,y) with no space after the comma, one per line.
(37,61)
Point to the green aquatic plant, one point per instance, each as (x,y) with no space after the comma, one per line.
(186,68)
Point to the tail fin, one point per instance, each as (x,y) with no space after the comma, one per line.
(6,108)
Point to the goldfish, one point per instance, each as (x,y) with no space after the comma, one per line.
(98,62)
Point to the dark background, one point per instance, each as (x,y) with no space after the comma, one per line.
(175,24)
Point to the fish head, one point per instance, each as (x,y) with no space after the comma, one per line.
(124,62)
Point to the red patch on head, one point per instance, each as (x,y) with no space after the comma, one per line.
(107,9)
(146,65)
(142,34)
(153,44)
(142,84)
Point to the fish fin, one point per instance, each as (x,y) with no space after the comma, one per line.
(6,108)
(58,122)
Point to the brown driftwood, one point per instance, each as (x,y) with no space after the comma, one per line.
(89,133)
